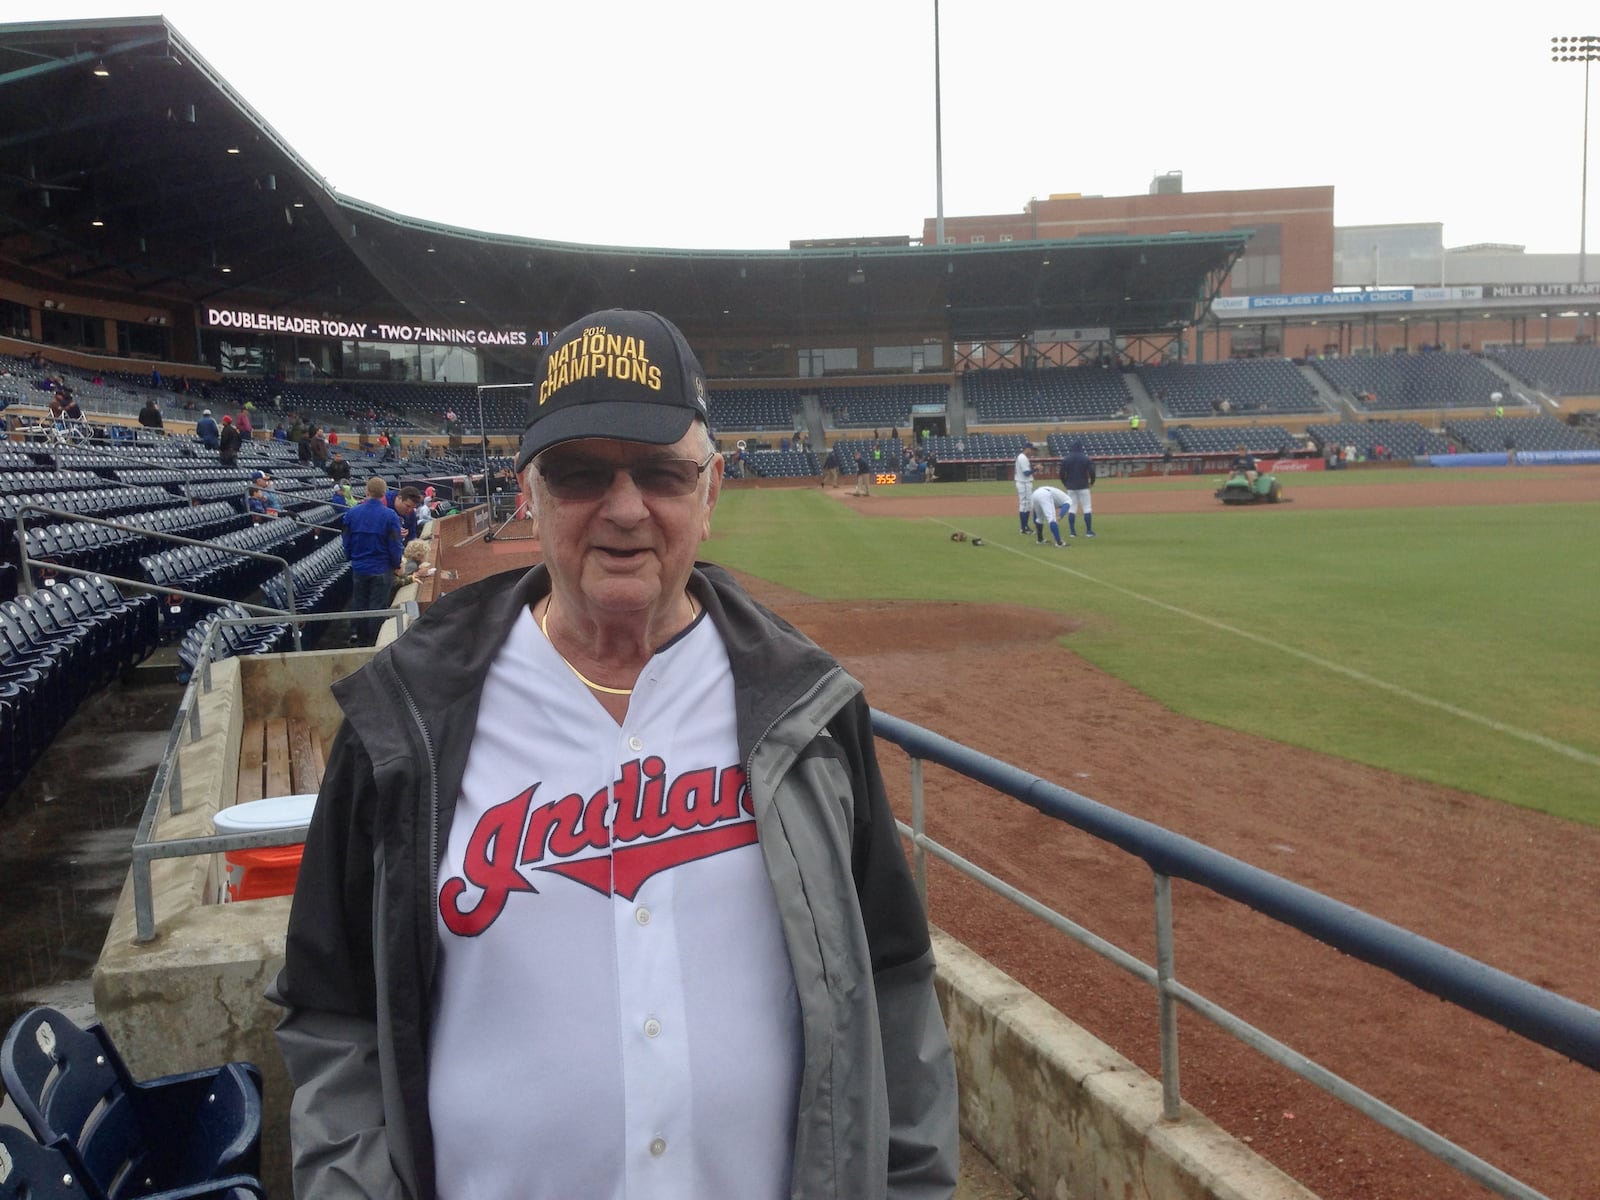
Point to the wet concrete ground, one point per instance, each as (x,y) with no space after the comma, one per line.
(65,838)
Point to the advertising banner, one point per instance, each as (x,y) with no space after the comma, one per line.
(346,329)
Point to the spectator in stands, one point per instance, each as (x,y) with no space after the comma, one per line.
(340,496)
(150,414)
(414,561)
(373,544)
(228,443)
(264,481)
(319,446)
(404,502)
(279,433)
(338,469)
(206,430)
(247,431)
(260,510)
(1133,422)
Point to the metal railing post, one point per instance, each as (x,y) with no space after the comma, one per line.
(144,904)
(175,784)
(919,856)
(22,553)
(1170,1097)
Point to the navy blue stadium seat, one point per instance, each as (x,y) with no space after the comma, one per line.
(192,1134)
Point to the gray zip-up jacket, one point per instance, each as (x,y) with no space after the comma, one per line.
(877,1106)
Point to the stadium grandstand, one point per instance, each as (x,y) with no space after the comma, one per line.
(1396,438)
(1558,371)
(1441,379)
(1230,389)
(1087,393)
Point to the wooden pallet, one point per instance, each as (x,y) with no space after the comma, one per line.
(279,756)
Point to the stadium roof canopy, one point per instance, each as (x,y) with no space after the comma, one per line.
(130,168)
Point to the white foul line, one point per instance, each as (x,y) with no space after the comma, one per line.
(1537,739)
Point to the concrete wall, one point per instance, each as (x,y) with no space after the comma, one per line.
(1063,1115)
(1058,1112)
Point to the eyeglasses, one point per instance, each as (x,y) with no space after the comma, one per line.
(584,479)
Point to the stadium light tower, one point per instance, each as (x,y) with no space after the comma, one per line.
(1584,48)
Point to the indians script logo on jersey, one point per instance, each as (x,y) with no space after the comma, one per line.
(657,824)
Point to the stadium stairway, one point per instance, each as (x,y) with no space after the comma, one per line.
(1517,388)
(1329,395)
(1144,404)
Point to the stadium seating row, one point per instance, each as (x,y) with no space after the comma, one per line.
(1558,371)
(57,645)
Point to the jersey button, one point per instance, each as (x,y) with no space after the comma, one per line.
(642,915)
(652,1028)
(635,743)
(658,1146)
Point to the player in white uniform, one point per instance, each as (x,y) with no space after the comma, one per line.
(1022,475)
(1048,505)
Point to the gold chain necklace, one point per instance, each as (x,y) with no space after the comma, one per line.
(544,628)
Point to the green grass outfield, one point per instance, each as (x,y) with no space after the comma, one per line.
(1457,645)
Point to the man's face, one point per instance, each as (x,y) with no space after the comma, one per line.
(627,551)
(404,506)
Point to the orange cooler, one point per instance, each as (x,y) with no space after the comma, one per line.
(269,870)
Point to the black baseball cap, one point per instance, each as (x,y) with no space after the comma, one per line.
(615,374)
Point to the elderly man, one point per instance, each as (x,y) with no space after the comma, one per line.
(603,896)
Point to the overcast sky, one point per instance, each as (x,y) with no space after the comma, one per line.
(703,124)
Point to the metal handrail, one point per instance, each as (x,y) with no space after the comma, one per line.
(1539,1015)
(26,560)
(168,782)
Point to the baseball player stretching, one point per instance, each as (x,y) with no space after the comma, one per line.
(1022,474)
(1077,477)
(1048,504)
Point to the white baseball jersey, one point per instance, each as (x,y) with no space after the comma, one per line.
(1047,503)
(615,1012)
(1022,474)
